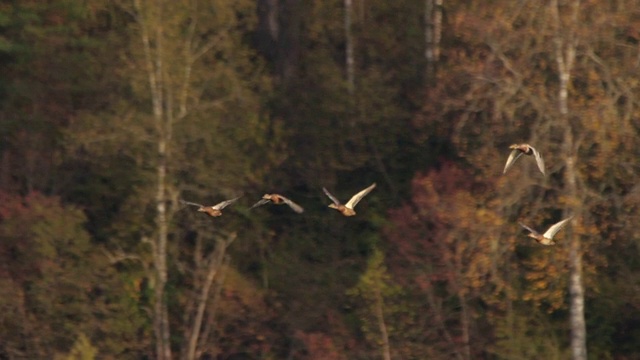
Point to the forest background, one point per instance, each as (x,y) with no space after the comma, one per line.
(111,111)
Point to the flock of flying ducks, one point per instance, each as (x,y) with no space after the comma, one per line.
(344,209)
(517,150)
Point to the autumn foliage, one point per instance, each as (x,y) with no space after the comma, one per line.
(111,112)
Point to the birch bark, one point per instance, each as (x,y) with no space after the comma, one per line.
(565,43)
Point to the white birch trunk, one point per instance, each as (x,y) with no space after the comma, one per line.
(565,52)
(154,69)
(163,29)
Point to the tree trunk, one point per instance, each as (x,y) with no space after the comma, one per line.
(160,265)
(154,69)
(379,305)
(268,27)
(576,288)
(289,39)
(441,324)
(214,264)
(565,51)
(432,35)
(349,45)
(464,323)
(204,343)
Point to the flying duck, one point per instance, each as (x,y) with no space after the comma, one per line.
(347,209)
(517,150)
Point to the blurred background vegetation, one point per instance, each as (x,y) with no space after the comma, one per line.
(113,110)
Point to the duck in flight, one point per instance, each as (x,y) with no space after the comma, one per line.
(517,150)
(214,210)
(347,209)
(278,200)
(547,237)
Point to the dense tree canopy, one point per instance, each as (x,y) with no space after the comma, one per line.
(112,111)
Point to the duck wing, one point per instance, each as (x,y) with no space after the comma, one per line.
(260,203)
(556,227)
(333,198)
(515,155)
(355,199)
(539,160)
(297,208)
(191,203)
(528,228)
(224,204)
